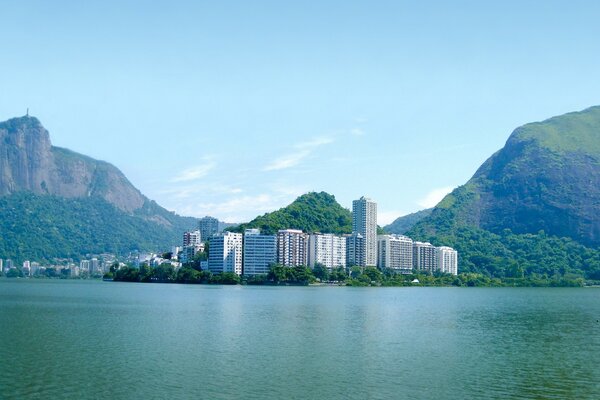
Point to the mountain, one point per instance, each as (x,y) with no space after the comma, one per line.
(402,224)
(540,194)
(311,212)
(58,203)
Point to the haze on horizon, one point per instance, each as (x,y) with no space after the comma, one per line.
(233,109)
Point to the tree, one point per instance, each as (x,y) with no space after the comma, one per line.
(320,272)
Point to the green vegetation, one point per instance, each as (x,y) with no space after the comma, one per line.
(402,224)
(46,227)
(312,212)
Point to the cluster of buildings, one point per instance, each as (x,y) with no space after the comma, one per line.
(252,253)
(86,268)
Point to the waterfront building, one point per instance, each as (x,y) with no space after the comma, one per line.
(260,252)
(1,265)
(208,226)
(26,268)
(95,266)
(9,264)
(446,260)
(225,253)
(395,252)
(364,221)
(326,249)
(355,250)
(188,252)
(292,247)
(35,267)
(84,266)
(424,257)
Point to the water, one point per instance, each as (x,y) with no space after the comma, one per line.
(91,340)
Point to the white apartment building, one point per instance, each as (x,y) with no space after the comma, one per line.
(364,221)
(292,247)
(225,253)
(395,252)
(447,260)
(260,251)
(424,257)
(326,249)
(192,238)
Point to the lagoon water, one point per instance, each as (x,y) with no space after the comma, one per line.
(91,340)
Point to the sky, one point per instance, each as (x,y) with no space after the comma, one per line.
(234,108)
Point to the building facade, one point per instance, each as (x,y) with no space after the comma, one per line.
(395,252)
(424,257)
(260,252)
(447,260)
(192,238)
(364,221)
(208,226)
(326,249)
(292,247)
(225,253)
(355,250)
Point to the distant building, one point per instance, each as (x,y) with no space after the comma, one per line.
(95,267)
(364,221)
(1,265)
(447,260)
(192,238)
(208,226)
(395,252)
(260,252)
(225,253)
(292,247)
(9,264)
(84,266)
(355,250)
(188,252)
(35,268)
(424,257)
(326,249)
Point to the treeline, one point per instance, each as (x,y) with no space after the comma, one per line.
(356,276)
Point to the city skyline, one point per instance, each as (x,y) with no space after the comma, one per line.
(233,110)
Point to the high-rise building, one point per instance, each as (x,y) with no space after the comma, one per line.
(1,265)
(225,253)
(355,250)
(292,247)
(208,226)
(447,260)
(84,266)
(192,238)
(326,249)
(260,252)
(95,267)
(395,252)
(364,221)
(424,257)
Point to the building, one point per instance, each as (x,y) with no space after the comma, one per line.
(326,249)
(292,247)
(364,221)
(424,257)
(192,238)
(84,266)
(446,260)
(208,226)
(95,267)
(188,252)
(1,265)
(225,253)
(395,252)
(355,250)
(9,264)
(260,252)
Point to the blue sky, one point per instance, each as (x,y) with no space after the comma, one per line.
(234,108)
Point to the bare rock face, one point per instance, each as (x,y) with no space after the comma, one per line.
(29,162)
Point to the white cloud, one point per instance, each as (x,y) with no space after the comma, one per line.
(434,197)
(287,161)
(357,132)
(304,149)
(194,173)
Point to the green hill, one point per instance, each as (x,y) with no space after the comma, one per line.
(311,212)
(56,203)
(402,224)
(534,206)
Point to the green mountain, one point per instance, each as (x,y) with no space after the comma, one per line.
(55,203)
(532,207)
(311,212)
(401,225)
